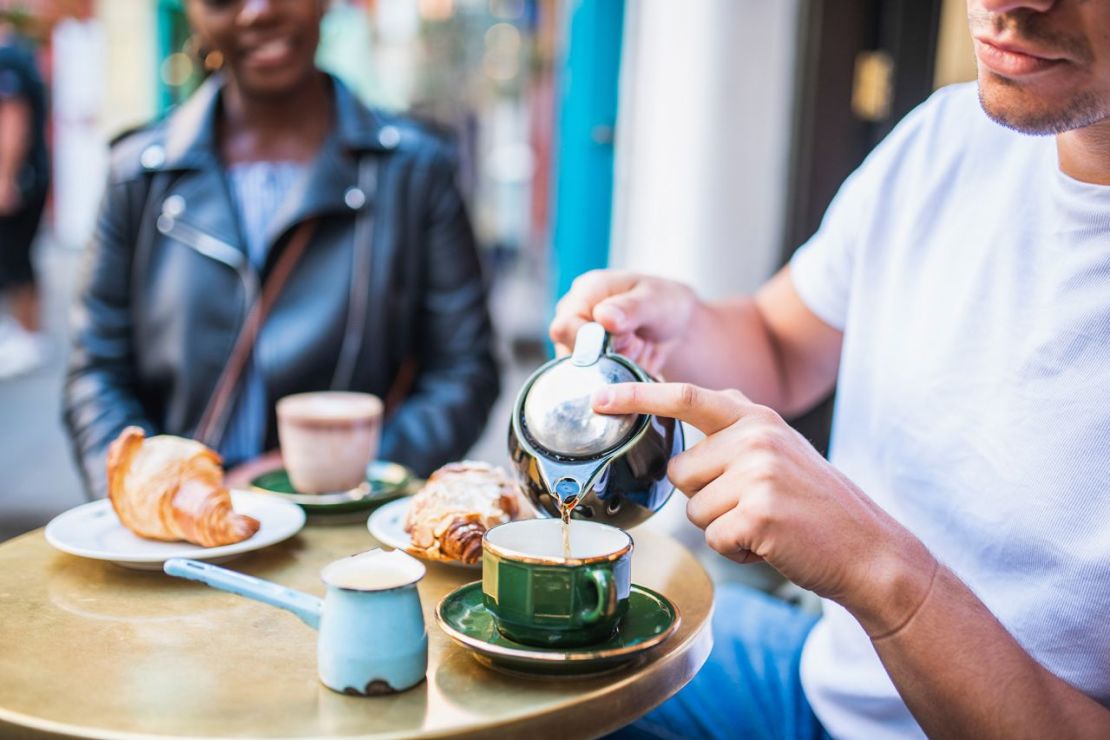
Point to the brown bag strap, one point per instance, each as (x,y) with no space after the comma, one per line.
(212,422)
(402,385)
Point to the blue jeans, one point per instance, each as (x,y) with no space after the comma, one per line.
(750,687)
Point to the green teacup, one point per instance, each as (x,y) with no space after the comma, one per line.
(540,598)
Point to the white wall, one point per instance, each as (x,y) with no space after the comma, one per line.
(130,63)
(104,82)
(706,105)
(79,155)
(703,135)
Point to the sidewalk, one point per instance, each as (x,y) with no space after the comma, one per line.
(40,478)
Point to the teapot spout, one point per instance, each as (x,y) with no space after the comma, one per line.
(569,482)
(306,606)
(568,489)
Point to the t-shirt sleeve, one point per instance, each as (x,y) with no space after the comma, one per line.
(824,270)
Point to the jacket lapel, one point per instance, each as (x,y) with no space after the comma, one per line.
(323,191)
(332,185)
(190,148)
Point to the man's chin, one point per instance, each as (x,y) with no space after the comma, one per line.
(1019,108)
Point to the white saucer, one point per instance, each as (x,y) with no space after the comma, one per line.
(93,531)
(387,525)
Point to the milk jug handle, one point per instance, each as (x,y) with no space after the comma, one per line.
(305,606)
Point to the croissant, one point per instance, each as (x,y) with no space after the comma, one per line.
(449,516)
(170,488)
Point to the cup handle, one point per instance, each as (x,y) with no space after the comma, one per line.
(606,596)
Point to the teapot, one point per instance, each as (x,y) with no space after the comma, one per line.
(611,468)
(372,634)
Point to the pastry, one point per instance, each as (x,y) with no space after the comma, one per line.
(451,513)
(171,488)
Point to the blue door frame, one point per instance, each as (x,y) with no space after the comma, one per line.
(585,136)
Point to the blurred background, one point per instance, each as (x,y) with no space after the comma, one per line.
(700,140)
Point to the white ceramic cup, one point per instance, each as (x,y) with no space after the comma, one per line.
(328,438)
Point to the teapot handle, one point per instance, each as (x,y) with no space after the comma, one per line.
(307,607)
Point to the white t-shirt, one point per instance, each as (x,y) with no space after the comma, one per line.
(971,279)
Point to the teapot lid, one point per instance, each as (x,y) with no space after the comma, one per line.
(558,416)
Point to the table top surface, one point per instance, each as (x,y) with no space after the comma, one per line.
(90,649)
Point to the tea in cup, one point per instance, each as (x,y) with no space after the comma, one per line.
(539,597)
(328,438)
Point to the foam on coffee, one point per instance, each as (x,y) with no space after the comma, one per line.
(330,406)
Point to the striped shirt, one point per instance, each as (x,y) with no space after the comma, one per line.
(259,190)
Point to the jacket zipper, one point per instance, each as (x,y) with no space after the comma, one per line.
(219,251)
(214,249)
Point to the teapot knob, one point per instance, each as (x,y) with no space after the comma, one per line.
(590,343)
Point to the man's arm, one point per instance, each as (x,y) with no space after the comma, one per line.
(962,675)
(761,492)
(769,345)
(15,142)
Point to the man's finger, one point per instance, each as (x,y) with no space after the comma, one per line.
(637,309)
(709,411)
(593,287)
(701,465)
(711,502)
(730,536)
(578,305)
(564,328)
(744,557)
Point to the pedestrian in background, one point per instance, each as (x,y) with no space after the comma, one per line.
(24,178)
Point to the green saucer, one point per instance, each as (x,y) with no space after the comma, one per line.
(385,481)
(463,615)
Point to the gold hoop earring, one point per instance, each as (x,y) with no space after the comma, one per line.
(212,61)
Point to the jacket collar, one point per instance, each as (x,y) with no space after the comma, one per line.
(190,131)
(332,182)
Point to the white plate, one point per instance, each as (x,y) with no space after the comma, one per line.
(387,525)
(93,531)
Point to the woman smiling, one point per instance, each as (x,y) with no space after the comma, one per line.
(272,156)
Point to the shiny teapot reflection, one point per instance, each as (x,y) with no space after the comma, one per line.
(613,468)
(372,634)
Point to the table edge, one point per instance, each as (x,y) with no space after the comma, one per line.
(694,651)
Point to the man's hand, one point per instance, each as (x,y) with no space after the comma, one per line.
(646,317)
(762,492)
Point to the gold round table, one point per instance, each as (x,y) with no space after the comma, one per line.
(90,649)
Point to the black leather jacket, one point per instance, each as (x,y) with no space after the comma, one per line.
(167,285)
